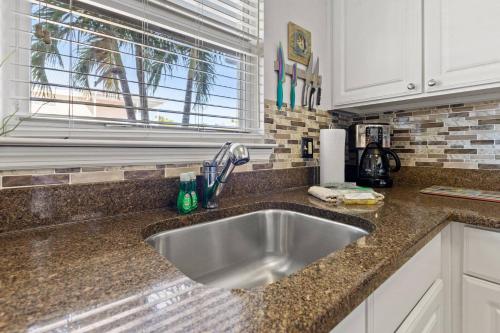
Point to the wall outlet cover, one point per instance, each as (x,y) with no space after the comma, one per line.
(307,147)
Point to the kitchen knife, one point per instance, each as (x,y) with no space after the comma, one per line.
(292,86)
(281,77)
(318,93)
(307,83)
(314,86)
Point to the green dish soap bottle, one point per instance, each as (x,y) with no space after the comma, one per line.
(184,200)
(194,196)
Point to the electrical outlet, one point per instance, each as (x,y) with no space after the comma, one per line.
(307,147)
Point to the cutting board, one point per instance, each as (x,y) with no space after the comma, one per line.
(464,193)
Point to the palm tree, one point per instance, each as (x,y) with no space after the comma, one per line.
(201,75)
(158,60)
(101,56)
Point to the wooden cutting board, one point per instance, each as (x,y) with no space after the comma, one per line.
(464,193)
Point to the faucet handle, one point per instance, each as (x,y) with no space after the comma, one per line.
(223,150)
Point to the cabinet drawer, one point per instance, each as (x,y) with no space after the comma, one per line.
(428,315)
(482,254)
(397,296)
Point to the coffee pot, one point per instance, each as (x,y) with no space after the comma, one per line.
(374,167)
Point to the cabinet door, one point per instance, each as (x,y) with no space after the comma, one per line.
(377,49)
(428,315)
(481,249)
(481,306)
(355,322)
(397,296)
(462,46)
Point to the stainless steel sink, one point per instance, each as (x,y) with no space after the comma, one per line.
(253,249)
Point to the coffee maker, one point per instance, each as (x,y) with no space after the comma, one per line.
(377,138)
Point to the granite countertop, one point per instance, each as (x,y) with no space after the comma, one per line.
(100,275)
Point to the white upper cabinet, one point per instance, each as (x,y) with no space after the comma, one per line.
(377,49)
(381,58)
(462,43)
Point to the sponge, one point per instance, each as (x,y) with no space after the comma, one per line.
(361,198)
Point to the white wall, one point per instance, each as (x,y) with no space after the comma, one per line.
(312,15)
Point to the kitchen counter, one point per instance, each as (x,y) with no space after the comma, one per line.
(100,275)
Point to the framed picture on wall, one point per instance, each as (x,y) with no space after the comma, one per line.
(299,44)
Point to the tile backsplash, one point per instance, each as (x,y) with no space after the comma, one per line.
(282,127)
(449,136)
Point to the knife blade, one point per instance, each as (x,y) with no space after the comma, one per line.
(318,93)
(281,77)
(307,83)
(314,85)
(292,86)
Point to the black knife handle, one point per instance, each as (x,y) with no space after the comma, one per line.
(311,103)
(318,96)
(305,91)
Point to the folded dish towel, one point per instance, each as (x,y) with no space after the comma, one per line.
(348,196)
(323,193)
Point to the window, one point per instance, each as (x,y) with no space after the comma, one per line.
(130,68)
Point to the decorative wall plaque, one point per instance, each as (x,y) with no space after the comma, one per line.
(299,44)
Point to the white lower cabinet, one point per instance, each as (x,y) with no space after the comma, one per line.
(397,296)
(481,254)
(393,301)
(355,322)
(481,281)
(481,306)
(428,315)
(450,286)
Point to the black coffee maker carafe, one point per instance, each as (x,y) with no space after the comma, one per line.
(374,168)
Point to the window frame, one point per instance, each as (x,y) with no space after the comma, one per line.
(38,144)
(108,131)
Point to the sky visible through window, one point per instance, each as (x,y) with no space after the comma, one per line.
(80,65)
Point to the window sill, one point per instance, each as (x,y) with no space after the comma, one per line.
(33,153)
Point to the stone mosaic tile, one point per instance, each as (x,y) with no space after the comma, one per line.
(446,136)
(456,136)
(283,127)
(34,180)
(143,174)
(95,177)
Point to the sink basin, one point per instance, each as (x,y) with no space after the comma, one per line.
(253,249)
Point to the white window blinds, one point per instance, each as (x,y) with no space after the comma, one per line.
(143,65)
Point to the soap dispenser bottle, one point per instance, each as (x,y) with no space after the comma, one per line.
(194,196)
(184,200)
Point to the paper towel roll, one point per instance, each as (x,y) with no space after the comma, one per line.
(332,155)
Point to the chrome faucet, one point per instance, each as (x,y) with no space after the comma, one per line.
(229,156)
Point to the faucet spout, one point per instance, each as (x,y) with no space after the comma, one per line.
(229,156)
